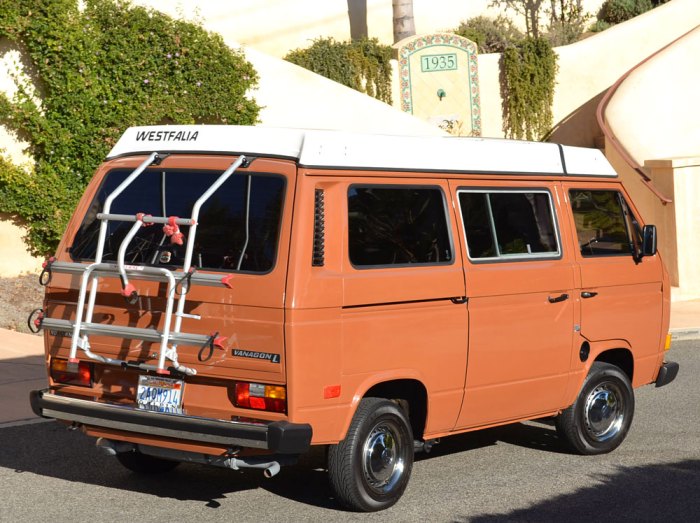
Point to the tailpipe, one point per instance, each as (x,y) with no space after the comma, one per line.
(270,465)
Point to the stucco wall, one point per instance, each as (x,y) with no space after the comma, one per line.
(587,68)
(656,110)
(277,26)
(654,114)
(14,257)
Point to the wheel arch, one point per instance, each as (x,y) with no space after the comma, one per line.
(620,357)
(410,394)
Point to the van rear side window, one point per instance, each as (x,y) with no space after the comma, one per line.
(397,225)
(504,225)
(238,226)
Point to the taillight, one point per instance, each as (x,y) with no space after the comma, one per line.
(261,397)
(61,373)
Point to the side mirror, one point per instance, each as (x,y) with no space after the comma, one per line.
(649,240)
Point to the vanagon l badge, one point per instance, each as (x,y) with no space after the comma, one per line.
(272,358)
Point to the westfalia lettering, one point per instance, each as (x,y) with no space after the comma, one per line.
(166,136)
(274,358)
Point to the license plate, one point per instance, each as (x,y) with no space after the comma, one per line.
(160,394)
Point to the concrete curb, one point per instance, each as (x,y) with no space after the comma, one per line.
(685,334)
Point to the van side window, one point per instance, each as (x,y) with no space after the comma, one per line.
(601,222)
(397,225)
(503,225)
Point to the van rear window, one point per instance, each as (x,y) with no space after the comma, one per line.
(397,225)
(238,226)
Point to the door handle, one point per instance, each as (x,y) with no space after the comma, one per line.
(588,294)
(459,300)
(557,299)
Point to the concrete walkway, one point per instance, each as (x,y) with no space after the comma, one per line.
(22,362)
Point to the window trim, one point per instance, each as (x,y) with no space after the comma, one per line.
(174,268)
(448,224)
(508,258)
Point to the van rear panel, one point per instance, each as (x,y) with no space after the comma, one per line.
(242,237)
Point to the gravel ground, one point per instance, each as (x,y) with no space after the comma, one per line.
(18,297)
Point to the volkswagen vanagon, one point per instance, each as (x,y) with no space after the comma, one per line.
(235,295)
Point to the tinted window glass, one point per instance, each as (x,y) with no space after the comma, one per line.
(503,224)
(401,225)
(600,223)
(223,239)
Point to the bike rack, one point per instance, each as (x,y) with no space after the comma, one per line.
(83,326)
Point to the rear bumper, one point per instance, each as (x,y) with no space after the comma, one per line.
(280,437)
(667,373)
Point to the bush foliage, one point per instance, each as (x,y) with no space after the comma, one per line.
(618,11)
(529,70)
(100,70)
(363,65)
(491,35)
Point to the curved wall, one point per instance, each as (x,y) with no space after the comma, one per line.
(655,112)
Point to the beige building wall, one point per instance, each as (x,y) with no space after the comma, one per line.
(14,257)
(589,67)
(654,114)
(278,26)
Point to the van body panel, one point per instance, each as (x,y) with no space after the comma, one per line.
(626,296)
(519,343)
(400,317)
(378,342)
(249,316)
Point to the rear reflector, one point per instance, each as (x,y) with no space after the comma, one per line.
(257,396)
(63,372)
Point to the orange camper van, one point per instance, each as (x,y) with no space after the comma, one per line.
(235,295)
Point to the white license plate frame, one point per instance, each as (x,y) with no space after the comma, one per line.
(160,394)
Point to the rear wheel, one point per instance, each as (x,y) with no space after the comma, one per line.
(145,464)
(370,468)
(601,416)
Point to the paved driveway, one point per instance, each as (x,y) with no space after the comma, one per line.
(514,473)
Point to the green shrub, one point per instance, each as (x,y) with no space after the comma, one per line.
(618,11)
(567,21)
(101,70)
(599,26)
(528,74)
(363,65)
(491,35)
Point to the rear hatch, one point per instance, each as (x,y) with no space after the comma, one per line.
(242,237)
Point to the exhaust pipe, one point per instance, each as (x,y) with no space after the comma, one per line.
(270,465)
(112,447)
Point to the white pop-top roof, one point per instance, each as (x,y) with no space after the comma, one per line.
(341,150)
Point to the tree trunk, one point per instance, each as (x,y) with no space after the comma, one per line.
(404,25)
(357,12)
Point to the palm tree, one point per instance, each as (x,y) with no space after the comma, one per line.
(404,24)
(357,12)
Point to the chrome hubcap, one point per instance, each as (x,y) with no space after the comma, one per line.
(604,412)
(382,461)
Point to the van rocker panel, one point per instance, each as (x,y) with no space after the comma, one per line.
(280,437)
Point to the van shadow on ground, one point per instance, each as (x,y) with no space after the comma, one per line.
(652,493)
(659,492)
(50,449)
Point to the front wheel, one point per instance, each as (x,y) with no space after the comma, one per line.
(601,416)
(370,468)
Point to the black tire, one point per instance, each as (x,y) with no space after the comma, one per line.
(370,468)
(601,416)
(145,464)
